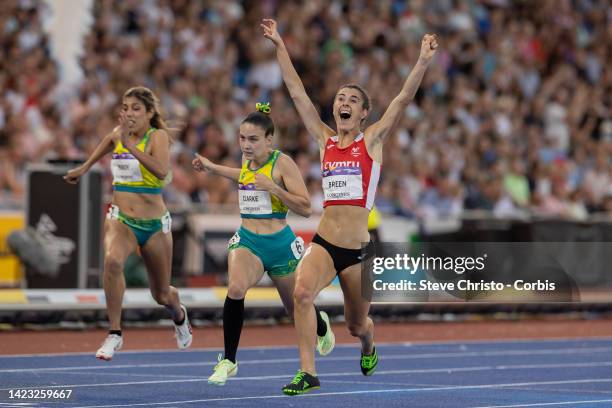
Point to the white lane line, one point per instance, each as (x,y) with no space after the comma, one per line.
(160,375)
(548,404)
(367,382)
(325,394)
(567,390)
(340,345)
(462,354)
(447,370)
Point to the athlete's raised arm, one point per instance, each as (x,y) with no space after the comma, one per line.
(306,109)
(379,131)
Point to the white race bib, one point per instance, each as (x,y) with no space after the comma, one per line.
(343,183)
(297,247)
(126,170)
(255,202)
(166,221)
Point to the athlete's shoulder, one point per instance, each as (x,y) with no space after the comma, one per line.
(374,144)
(285,162)
(159,138)
(283,158)
(157,133)
(114,137)
(370,133)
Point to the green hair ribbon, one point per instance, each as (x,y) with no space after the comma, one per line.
(263,107)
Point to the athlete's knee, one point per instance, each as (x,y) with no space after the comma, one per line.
(161,296)
(357,329)
(236,290)
(113,264)
(303,295)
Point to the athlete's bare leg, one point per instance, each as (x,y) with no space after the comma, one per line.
(314,272)
(356,308)
(157,255)
(119,243)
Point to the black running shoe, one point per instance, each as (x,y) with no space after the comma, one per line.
(301,384)
(369,362)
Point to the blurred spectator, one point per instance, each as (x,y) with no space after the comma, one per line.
(516,183)
(512,117)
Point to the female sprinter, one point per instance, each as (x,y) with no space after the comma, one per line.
(137,217)
(350,166)
(269,184)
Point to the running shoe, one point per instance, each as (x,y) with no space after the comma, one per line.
(112,343)
(369,362)
(326,343)
(222,371)
(301,384)
(183,333)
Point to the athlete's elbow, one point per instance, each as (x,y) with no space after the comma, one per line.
(404,99)
(307,209)
(298,95)
(404,103)
(161,173)
(307,212)
(304,209)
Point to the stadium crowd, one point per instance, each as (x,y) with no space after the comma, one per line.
(513,117)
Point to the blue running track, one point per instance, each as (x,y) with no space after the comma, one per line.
(542,373)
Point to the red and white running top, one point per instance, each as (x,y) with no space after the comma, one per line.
(349,175)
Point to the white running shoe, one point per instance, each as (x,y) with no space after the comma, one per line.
(325,344)
(183,333)
(111,344)
(223,370)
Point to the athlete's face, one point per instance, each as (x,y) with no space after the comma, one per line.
(254,143)
(348,109)
(135,112)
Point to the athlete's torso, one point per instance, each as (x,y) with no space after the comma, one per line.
(350,177)
(261,212)
(137,191)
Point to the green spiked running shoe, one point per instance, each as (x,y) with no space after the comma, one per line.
(326,343)
(301,384)
(369,362)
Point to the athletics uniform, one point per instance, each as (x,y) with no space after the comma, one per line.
(349,177)
(131,176)
(281,251)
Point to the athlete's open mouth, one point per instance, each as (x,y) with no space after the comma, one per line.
(345,113)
